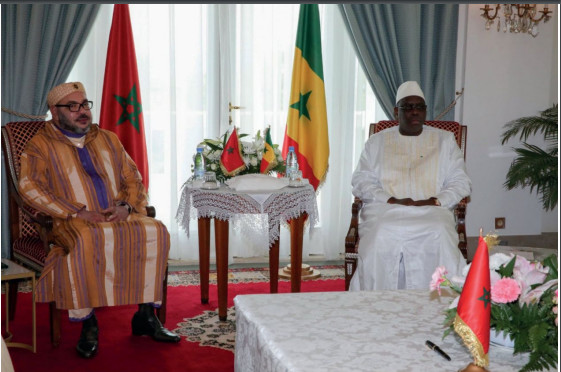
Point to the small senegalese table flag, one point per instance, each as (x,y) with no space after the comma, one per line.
(121,105)
(306,126)
(231,160)
(473,316)
(269,160)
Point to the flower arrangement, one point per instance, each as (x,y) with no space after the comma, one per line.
(524,297)
(252,153)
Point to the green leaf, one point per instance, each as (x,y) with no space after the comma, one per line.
(506,271)
(551,262)
(533,166)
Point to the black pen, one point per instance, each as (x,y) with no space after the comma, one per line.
(432,346)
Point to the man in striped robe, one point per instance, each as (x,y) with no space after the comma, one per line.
(107,252)
(409,177)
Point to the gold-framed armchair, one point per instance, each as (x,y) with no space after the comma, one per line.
(30,230)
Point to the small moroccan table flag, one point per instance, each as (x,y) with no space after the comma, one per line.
(231,160)
(474,307)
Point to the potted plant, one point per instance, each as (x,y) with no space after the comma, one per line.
(533,166)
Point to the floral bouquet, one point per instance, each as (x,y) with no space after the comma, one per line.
(252,153)
(524,297)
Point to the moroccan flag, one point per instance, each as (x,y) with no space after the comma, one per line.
(474,307)
(231,160)
(121,107)
(269,160)
(306,126)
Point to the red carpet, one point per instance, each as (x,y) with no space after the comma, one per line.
(119,350)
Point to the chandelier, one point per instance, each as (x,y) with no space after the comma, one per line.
(518,18)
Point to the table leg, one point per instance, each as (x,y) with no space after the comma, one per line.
(274,266)
(296,238)
(204,256)
(221,238)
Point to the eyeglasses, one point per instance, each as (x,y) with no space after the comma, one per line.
(75,107)
(418,107)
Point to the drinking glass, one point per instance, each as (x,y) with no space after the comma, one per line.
(210,180)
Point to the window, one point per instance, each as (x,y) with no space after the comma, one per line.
(183,52)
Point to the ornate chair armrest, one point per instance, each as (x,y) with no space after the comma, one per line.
(43,222)
(351,240)
(460,215)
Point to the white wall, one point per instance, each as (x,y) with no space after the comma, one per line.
(506,76)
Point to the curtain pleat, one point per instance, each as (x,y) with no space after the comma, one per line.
(40,44)
(399,42)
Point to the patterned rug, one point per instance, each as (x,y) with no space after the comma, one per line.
(250,275)
(206,329)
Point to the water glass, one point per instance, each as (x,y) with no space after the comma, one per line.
(210,180)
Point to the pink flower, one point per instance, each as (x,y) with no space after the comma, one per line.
(557,317)
(505,290)
(438,277)
(528,273)
(530,296)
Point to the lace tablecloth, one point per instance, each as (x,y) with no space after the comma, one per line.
(246,209)
(351,331)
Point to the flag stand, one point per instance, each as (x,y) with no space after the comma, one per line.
(473,368)
(308,272)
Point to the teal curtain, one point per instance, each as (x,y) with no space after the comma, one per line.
(399,42)
(40,43)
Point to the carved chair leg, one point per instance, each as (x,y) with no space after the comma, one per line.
(55,324)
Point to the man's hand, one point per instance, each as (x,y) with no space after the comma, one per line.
(405,201)
(430,201)
(415,203)
(116,214)
(91,216)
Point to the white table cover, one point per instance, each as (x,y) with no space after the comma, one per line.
(246,209)
(351,331)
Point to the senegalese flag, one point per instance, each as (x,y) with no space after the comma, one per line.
(121,105)
(306,126)
(473,316)
(231,160)
(269,160)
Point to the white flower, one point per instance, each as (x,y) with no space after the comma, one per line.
(253,161)
(498,259)
(214,155)
(279,158)
(259,144)
(213,167)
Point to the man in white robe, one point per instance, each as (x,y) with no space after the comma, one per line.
(410,178)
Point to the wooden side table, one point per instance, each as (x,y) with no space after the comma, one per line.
(13,272)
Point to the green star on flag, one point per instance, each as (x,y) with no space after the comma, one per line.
(486,297)
(302,105)
(127,103)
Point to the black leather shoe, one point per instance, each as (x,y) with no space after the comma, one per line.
(145,322)
(87,344)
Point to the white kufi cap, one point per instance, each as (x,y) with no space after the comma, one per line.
(409,88)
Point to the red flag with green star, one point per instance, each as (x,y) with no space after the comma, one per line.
(473,316)
(121,105)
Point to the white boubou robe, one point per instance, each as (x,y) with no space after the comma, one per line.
(415,239)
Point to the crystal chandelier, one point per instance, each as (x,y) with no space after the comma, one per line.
(518,18)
